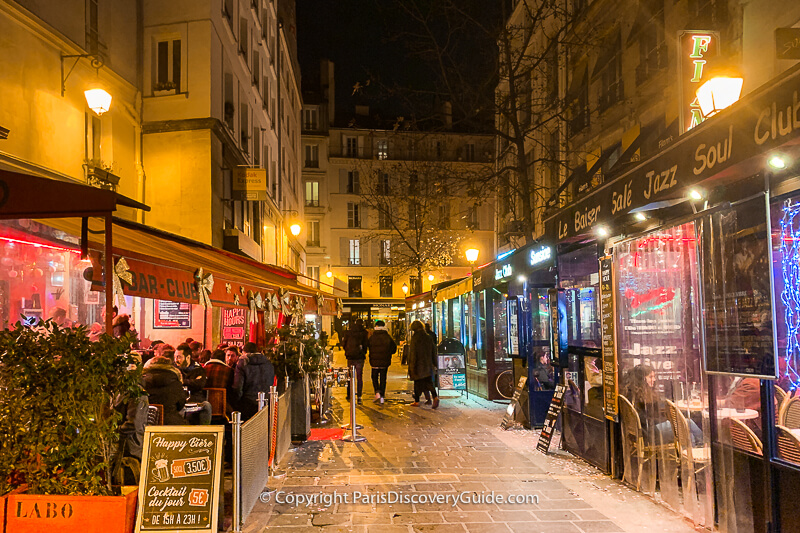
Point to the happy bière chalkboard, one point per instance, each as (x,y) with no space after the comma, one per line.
(180,479)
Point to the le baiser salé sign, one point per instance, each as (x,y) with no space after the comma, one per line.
(764,120)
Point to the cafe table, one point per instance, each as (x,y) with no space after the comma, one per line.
(724,412)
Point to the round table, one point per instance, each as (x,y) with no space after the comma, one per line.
(745,414)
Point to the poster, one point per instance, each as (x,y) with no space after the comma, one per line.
(609,369)
(234,326)
(452,372)
(172,315)
(180,479)
(546,435)
(513,328)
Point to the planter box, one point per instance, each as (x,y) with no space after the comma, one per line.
(43,513)
(301,410)
(3,500)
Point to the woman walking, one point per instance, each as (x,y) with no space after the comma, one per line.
(420,363)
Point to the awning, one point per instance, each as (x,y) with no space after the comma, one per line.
(454,291)
(165,267)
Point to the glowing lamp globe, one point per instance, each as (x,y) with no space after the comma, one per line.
(472,254)
(718,93)
(405,288)
(430,277)
(98,100)
(329,274)
(295,229)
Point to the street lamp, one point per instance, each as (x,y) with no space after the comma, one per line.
(430,277)
(98,100)
(472,256)
(329,274)
(295,228)
(405,288)
(721,90)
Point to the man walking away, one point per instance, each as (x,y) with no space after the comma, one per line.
(381,349)
(354,342)
(420,363)
(254,373)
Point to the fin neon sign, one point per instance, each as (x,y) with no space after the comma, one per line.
(696,50)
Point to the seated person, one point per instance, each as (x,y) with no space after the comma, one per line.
(220,376)
(163,382)
(543,372)
(194,378)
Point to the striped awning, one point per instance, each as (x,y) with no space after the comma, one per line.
(454,291)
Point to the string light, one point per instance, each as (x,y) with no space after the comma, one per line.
(790,295)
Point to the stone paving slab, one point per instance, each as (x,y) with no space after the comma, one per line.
(457,459)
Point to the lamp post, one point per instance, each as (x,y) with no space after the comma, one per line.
(472,256)
(405,288)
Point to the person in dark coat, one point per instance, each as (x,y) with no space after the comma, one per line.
(194,379)
(542,372)
(162,381)
(220,376)
(381,349)
(421,352)
(354,342)
(254,373)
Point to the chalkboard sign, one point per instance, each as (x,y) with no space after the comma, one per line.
(172,315)
(180,479)
(550,422)
(609,370)
(514,406)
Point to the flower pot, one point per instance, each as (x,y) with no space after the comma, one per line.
(44,513)
(301,409)
(166,92)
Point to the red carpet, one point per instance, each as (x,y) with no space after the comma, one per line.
(326,434)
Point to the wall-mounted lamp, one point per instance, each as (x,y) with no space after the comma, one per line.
(722,88)
(431,277)
(329,274)
(295,228)
(405,288)
(97,98)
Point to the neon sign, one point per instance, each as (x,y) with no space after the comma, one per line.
(540,256)
(504,272)
(696,50)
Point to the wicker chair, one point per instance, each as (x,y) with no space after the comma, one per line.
(742,437)
(780,397)
(155,415)
(693,459)
(789,415)
(634,444)
(788,445)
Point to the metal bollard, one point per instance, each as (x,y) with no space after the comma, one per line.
(354,427)
(352,384)
(262,400)
(237,471)
(273,426)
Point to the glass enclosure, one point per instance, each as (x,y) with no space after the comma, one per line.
(500,326)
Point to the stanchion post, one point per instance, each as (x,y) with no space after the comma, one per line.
(354,427)
(262,400)
(273,425)
(237,471)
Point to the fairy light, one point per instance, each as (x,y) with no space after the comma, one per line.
(790,295)
(38,245)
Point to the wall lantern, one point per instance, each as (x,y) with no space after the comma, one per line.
(329,274)
(718,93)
(405,288)
(98,100)
(472,255)
(295,228)
(431,277)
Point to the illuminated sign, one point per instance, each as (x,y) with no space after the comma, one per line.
(696,49)
(540,256)
(504,272)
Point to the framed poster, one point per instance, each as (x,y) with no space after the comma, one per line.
(234,327)
(180,479)
(172,315)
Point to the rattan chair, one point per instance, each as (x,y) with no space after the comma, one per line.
(635,445)
(789,415)
(155,414)
(788,445)
(742,437)
(780,398)
(693,460)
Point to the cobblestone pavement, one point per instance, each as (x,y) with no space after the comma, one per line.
(416,452)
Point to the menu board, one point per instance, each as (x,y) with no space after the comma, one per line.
(609,370)
(234,326)
(180,479)
(543,445)
(172,315)
(512,408)
(513,328)
(557,303)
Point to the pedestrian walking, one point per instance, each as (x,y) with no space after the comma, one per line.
(432,335)
(381,349)
(354,342)
(421,352)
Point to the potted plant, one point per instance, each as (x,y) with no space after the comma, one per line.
(60,431)
(164,88)
(299,358)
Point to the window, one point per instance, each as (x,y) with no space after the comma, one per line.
(385,283)
(256,72)
(227,9)
(355,252)
(353,215)
(413,182)
(383,184)
(256,146)
(244,120)
(383,149)
(652,46)
(384,219)
(310,118)
(415,284)
(439,149)
(578,99)
(312,235)
(244,37)
(444,216)
(385,252)
(412,214)
(313,275)
(354,286)
(93,128)
(168,66)
(353,185)
(611,90)
(469,152)
(229,107)
(312,156)
(553,166)
(312,194)
(92,27)
(472,218)
(351,147)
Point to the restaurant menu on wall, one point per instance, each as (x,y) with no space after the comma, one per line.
(610,379)
(180,479)
(172,315)
(234,322)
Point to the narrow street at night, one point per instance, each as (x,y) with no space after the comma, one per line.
(458,448)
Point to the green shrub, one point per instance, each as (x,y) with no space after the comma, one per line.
(287,358)
(56,418)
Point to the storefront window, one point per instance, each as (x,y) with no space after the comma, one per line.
(579,276)
(42,276)
(500,326)
(456,332)
(663,391)
(471,337)
(481,330)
